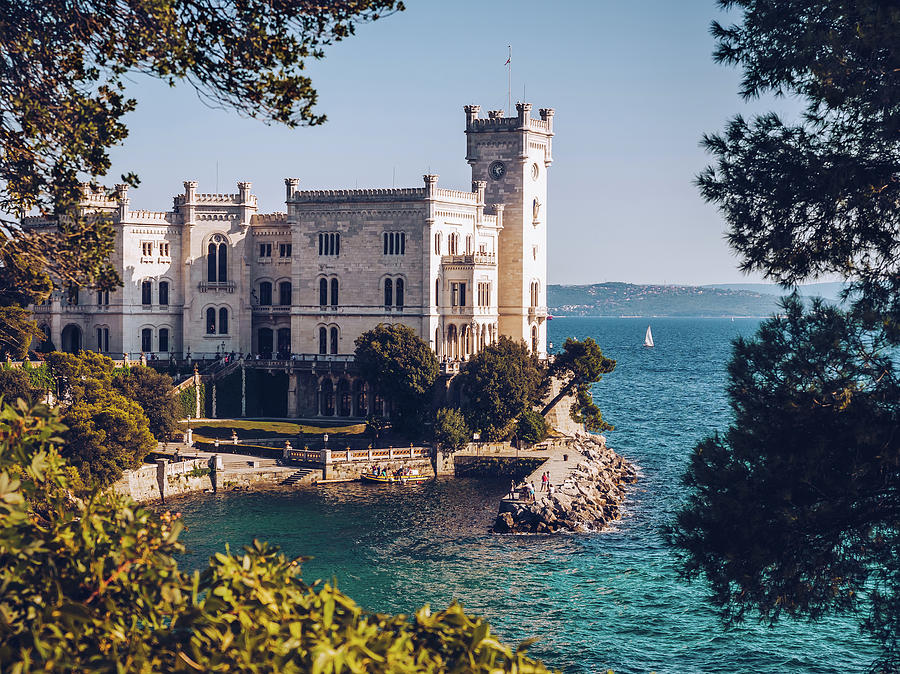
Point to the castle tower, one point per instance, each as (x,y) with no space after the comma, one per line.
(513,155)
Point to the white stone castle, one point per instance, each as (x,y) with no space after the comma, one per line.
(215,276)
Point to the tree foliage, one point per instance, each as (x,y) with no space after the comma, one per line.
(400,366)
(531,426)
(795,508)
(581,364)
(92,585)
(451,431)
(151,390)
(64,71)
(14,384)
(500,382)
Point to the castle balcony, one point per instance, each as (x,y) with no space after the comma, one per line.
(267,310)
(537,313)
(41,308)
(469,260)
(466,312)
(216,286)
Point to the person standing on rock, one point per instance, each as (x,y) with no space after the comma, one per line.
(545,478)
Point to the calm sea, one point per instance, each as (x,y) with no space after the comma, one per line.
(610,600)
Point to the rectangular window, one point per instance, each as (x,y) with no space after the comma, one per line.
(265,250)
(146,248)
(146,294)
(284,250)
(163,339)
(164,249)
(329,243)
(394,243)
(462,294)
(484,294)
(146,340)
(164,295)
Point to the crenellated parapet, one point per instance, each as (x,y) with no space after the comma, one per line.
(496,121)
(358,195)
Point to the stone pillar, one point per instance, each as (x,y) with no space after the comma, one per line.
(214,401)
(243,389)
(161,477)
(196,392)
(293,401)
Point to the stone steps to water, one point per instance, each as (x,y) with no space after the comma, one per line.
(297,476)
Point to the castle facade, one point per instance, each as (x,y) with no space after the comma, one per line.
(215,276)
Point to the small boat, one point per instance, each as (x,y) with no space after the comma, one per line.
(648,338)
(391,479)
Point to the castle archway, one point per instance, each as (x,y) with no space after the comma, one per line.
(71,339)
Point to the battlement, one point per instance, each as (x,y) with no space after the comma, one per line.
(278,218)
(150,216)
(358,195)
(191,197)
(495,120)
(38,221)
(458,195)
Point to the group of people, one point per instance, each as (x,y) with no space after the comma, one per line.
(527,491)
(383,472)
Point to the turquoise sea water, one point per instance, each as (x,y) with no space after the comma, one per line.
(608,600)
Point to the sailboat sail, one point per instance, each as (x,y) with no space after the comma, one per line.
(648,338)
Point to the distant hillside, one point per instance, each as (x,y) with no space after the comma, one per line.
(626,299)
(828,291)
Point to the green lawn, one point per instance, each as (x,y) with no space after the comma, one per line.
(254,428)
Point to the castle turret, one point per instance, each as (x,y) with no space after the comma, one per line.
(512,155)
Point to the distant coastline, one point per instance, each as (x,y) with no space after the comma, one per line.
(627,300)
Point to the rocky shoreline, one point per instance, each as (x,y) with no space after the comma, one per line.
(589,498)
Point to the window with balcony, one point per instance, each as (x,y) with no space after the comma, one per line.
(284,293)
(458,294)
(469,245)
(102,298)
(329,243)
(265,294)
(453,243)
(217,259)
(334,340)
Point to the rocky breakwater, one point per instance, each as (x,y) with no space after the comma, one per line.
(589,497)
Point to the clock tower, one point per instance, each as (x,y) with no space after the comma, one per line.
(513,156)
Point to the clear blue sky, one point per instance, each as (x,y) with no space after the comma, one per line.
(633,85)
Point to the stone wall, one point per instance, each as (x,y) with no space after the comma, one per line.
(353,470)
(164,480)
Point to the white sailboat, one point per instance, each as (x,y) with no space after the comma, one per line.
(648,338)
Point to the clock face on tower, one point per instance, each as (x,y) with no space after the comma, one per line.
(497,170)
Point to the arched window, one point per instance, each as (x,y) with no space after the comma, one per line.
(223,321)
(211,266)
(284,293)
(534,339)
(164,296)
(163,339)
(388,292)
(323,292)
(323,340)
(146,292)
(344,398)
(210,321)
(468,245)
(326,397)
(437,243)
(334,340)
(284,342)
(334,292)
(146,340)
(264,344)
(217,259)
(399,292)
(265,294)
(437,292)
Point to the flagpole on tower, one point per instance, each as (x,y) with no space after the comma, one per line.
(509,81)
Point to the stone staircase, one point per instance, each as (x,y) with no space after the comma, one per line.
(299,476)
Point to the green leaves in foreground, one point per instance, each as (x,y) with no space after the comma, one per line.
(91,585)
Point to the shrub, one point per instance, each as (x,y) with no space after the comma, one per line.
(450,429)
(531,426)
(92,585)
